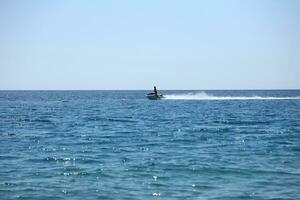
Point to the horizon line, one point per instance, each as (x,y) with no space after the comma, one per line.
(137,89)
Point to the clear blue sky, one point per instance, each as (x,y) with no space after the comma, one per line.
(59,44)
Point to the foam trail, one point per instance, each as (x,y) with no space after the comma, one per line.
(205,96)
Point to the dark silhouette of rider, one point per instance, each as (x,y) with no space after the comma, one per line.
(155,91)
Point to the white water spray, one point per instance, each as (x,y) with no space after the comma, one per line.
(205,96)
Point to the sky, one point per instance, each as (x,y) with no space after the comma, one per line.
(133,44)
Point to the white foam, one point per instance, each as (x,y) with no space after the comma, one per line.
(205,96)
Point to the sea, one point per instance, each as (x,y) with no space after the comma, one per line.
(81,145)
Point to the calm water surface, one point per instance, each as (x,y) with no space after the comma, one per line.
(119,145)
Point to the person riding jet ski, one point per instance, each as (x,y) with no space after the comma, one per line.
(154,95)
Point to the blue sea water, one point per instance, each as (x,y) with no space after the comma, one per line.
(120,145)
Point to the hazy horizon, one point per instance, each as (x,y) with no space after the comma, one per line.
(147,89)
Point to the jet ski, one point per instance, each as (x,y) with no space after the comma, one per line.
(154,95)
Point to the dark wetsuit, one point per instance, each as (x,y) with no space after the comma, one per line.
(155,91)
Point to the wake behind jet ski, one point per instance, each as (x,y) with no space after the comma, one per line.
(154,95)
